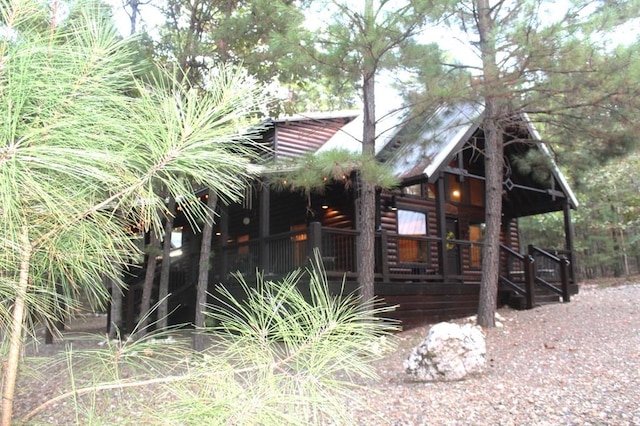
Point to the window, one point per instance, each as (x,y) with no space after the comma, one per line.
(412,222)
(299,241)
(431,191)
(476,235)
(454,189)
(413,190)
(476,192)
(243,244)
(176,242)
(412,225)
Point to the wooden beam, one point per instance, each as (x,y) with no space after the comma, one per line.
(441,217)
(568,235)
(384,258)
(224,238)
(314,239)
(264,225)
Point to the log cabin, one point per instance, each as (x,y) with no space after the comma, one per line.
(429,229)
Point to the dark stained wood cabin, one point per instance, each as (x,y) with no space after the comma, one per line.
(429,230)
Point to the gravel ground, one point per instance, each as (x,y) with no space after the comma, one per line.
(563,364)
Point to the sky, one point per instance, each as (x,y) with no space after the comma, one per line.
(448,40)
(149,14)
(455,43)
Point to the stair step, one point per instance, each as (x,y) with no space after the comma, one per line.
(542,297)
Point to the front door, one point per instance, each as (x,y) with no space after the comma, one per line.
(453,248)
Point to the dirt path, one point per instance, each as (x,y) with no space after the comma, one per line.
(563,364)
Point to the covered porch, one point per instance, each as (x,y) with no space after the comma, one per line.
(429,275)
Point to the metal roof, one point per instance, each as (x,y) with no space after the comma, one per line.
(316,116)
(388,124)
(420,153)
(425,150)
(415,148)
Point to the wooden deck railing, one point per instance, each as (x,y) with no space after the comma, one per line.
(516,273)
(522,273)
(276,254)
(551,270)
(282,253)
(399,258)
(406,257)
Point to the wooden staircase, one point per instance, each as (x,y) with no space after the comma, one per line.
(542,297)
(537,278)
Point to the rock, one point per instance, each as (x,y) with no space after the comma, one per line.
(449,352)
(499,320)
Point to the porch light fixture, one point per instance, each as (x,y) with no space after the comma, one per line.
(392,204)
(324,204)
(455,194)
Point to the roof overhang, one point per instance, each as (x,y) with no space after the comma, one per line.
(554,167)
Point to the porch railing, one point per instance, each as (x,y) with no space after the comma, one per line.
(402,258)
(276,254)
(517,272)
(406,257)
(538,269)
(338,248)
(549,268)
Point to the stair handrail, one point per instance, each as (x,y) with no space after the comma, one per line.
(529,280)
(512,251)
(563,264)
(544,252)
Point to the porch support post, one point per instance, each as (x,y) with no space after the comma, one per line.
(314,238)
(131,308)
(529,280)
(441,217)
(264,224)
(564,278)
(223,265)
(384,257)
(568,233)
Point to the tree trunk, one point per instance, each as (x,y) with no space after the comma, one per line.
(203,274)
(163,289)
(133,16)
(147,287)
(115,311)
(493,212)
(17,327)
(366,245)
(493,166)
(367,201)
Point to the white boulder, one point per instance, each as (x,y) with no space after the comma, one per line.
(449,352)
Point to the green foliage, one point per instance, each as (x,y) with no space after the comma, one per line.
(266,38)
(600,126)
(313,172)
(535,164)
(378,34)
(606,225)
(286,352)
(81,160)
(294,349)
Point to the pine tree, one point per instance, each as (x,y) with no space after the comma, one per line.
(80,160)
